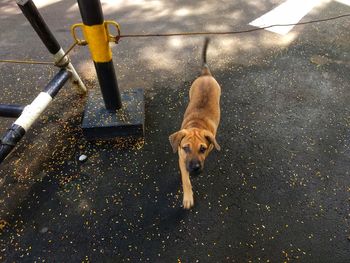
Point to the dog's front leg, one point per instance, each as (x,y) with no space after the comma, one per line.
(186,185)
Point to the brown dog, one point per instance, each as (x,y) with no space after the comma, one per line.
(196,138)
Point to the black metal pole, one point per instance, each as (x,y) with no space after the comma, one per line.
(10,139)
(54,86)
(10,110)
(35,19)
(31,12)
(97,38)
(28,116)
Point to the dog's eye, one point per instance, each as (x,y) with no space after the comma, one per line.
(186,149)
(202,149)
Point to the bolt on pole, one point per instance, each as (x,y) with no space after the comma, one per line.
(96,35)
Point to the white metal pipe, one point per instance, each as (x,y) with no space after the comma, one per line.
(33,110)
(75,79)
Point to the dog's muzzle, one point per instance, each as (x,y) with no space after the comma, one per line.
(194,167)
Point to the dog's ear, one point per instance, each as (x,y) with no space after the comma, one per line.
(210,137)
(176,138)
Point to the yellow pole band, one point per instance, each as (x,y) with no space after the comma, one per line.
(98,42)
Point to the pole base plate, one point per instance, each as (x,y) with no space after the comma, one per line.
(101,124)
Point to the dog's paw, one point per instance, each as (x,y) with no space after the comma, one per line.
(188,201)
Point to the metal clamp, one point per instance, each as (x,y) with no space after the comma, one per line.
(111,38)
(80,42)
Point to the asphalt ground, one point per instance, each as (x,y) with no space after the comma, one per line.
(278,191)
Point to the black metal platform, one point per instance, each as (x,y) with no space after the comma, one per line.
(98,123)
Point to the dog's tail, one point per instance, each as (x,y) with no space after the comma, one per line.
(205,68)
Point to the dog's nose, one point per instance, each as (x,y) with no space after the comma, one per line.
(195,166)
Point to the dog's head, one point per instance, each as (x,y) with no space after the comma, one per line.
(193,145)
